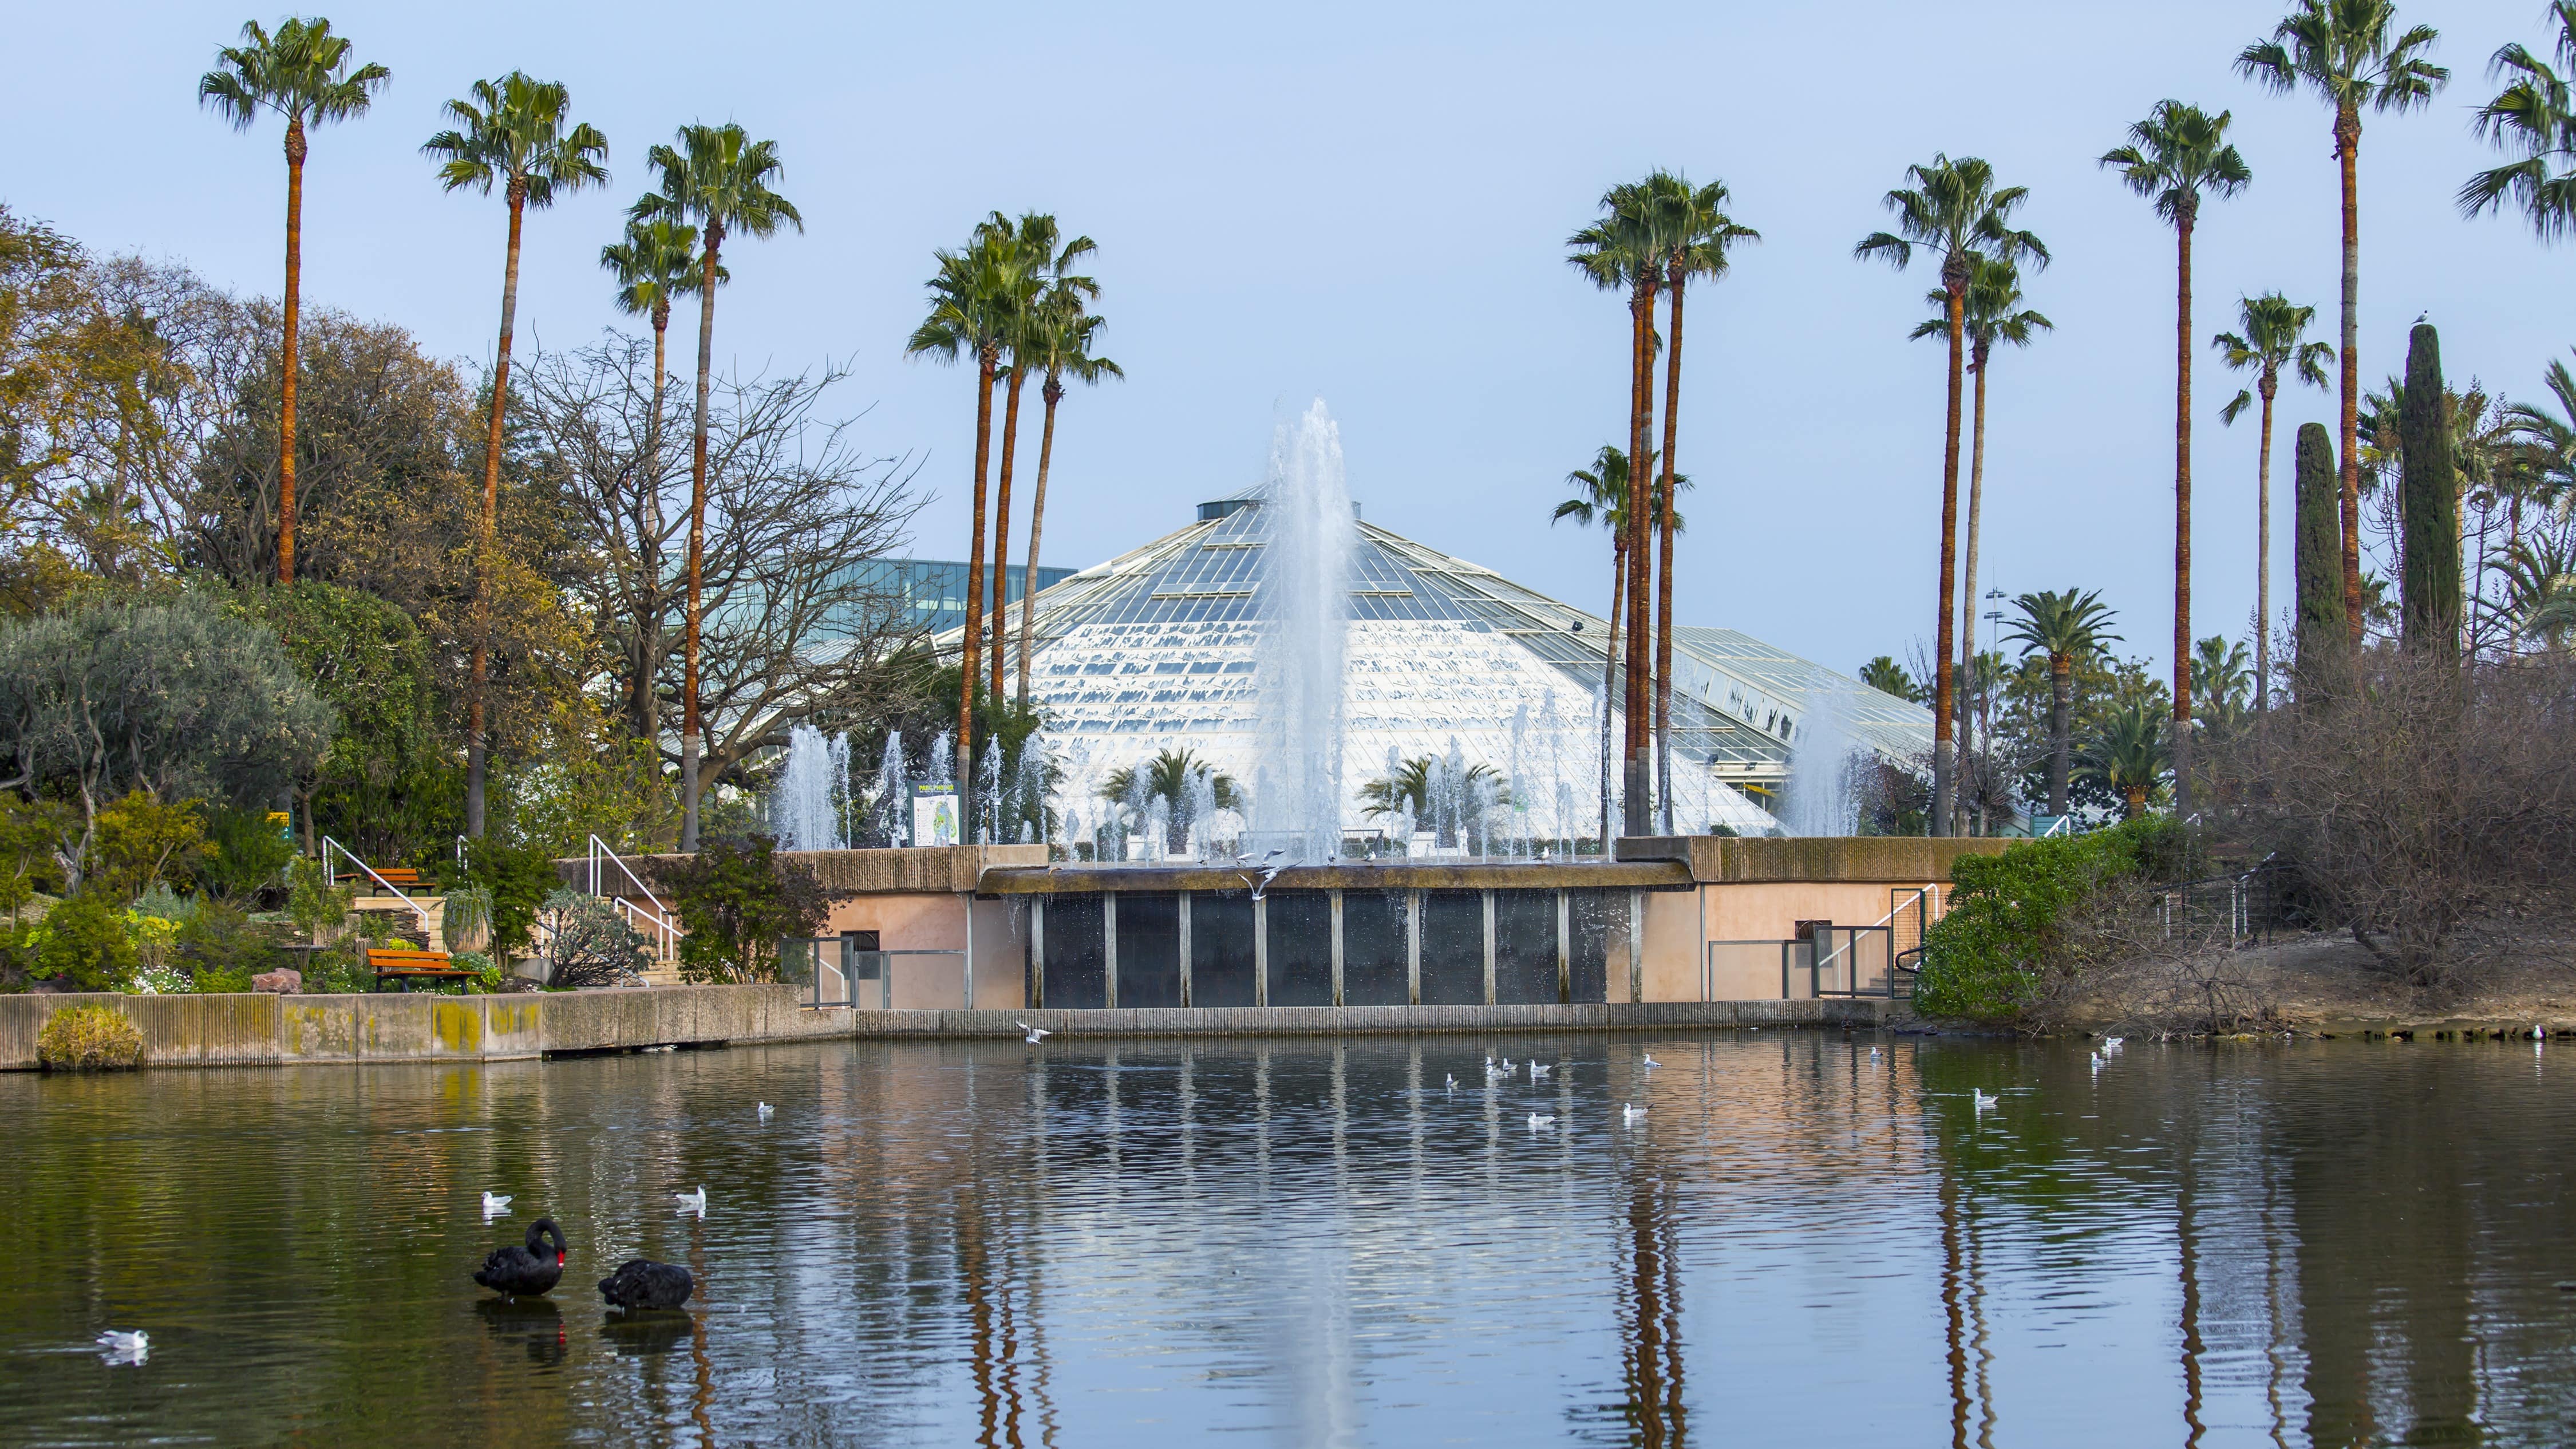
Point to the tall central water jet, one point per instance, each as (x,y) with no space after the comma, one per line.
(1305,610)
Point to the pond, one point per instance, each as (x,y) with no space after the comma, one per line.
(1809,1238)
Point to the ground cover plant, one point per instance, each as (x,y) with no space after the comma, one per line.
(89,1038)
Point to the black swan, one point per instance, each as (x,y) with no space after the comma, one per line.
(531,1270)
(643,1283)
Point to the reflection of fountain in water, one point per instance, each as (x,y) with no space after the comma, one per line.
(813,787)
(1824,758)
(1305,606)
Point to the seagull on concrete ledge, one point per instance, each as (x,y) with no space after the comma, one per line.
(692,1202)
(1035,1033)
(494,1205)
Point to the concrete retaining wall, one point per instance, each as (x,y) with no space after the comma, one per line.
(263,1030)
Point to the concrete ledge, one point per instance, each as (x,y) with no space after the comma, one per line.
(1891,859)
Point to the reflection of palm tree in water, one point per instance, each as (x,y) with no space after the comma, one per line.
(1963,1305)
(1650,1344)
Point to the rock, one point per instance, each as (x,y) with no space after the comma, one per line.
(516,983)
(285,981)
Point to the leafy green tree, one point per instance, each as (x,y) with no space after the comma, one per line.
(2064,627)
(1955,210)
(84,944)
(141,841)
(176,699)
(2173,157)
(655,262)
(2351,55)
(1059,342)
(1700,238)
(722,181)
(2431,555)
(2535,114)
(2274,337)
(518,878)
(736,899)
(250,853)
(302,73)
(2324,633)
(512,131)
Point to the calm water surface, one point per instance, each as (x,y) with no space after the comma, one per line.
(1149,1242)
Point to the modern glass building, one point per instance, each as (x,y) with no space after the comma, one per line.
(1160,649)
(931,593)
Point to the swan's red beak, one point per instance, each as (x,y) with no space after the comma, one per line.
(559,1260)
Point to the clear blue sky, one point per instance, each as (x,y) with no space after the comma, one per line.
(1368,203)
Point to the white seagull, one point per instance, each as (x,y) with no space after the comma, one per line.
(2097,1064)
(1268,869)
(1453,1082)
(1036,1033)
(1537,1071)
(1629,1112)
(495,1204)
(2112,1043)
(1507,1066)
(765,1110)
(1651,1063)
(1539,1123)
(125,1346)
(692,1202)
(1873,1054)
(1983,1100)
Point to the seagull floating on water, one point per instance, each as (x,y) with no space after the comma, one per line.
(495,1204)
(765,1110)
(1629,1112)
(1983,1099)
(124,1346)
(1537,1071)
(1873,1054)
(692,1202)
(1538,1123)
(1453,1082)
(1650,1062)
(2112,1043)
(1036,1033)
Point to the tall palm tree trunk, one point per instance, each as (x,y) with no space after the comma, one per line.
(1637,788)
(1610,670)
(2347,155)
(987,367)
(1664,574)
(1968,583)
(292,324)
(477,749)
(1002,530)
(2061,700)
(1954,278)
(2263,566)
(648,516)
(2182,516)
(1051,392)
(691,735)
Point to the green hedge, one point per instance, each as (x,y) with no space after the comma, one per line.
(1989,959)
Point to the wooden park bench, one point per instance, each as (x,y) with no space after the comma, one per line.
(401,877)
(408,964)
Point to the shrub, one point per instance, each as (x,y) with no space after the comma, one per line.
(466,918)
(318,908)
(1994,956)
(517,878)
(141,841)
(83,942)
(226,948)
(250,853)
(88,1039)
(593,944)
(340,970)
(736,899)
(488,974)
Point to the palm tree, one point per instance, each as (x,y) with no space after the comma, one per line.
(2222,680)
(2540,591)
(1049,272)
(1702,234)
(303,74)
(971,314)
(1174,777)
(2274,337)
(722,180)
(1887,676)
(2065,627)
(2129,756)
(2350,54)
(2177,153)
(1409,785)
(1601,496)
(1058,344)
(1955,210)
(657,261)
(512,131)
(1628,247)
(2546,442)
(1993,313)
(2534,114)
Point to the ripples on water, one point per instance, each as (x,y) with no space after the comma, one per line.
(1308,1242)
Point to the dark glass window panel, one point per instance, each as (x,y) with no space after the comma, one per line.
(1076,958)
(1592,913)
(1373,948)
(1453,948)
(1221,950)
(1149,949)
(1301,948)
(1525,947)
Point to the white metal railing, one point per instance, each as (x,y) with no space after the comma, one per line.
(655,920)
(388,887)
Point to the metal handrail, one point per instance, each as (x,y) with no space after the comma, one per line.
(417,909)
(665,929)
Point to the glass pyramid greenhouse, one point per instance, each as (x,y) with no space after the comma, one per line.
(1159,650)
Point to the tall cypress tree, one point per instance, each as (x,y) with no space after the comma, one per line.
(2322,632)
(2429,500)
